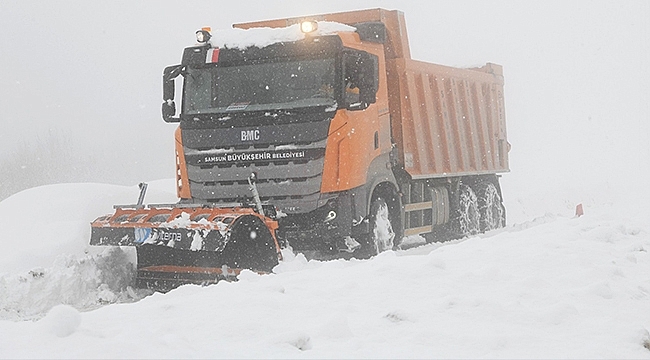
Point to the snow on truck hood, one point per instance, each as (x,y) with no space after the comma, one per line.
(260,37)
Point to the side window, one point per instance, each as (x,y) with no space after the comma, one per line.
(361,78)
(351,70)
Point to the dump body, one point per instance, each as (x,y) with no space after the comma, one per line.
(452,120)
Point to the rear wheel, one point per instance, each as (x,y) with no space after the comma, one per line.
(490,207)
(467,218)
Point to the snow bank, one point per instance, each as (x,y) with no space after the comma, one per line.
(62,320)
(553,286)
(47,260)
(42,223)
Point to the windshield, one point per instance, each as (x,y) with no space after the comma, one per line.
(260,86)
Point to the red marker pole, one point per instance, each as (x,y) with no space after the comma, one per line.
(579,210)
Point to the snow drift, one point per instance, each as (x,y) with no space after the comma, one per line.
(552,286)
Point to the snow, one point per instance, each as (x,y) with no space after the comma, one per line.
(553,286)
(62,320)
(260,37)
(549,285)
(54,219)
(179,222)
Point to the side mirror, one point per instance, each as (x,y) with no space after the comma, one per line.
(168,111)
(169,89)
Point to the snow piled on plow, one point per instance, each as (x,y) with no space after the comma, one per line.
(550,286)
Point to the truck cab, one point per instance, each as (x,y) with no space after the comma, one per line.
(309,118)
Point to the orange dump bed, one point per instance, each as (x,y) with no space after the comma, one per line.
(452,120)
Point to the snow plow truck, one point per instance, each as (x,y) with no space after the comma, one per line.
(318,133)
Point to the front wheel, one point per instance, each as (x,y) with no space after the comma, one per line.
(382,236)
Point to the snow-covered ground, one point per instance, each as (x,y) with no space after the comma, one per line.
(551,286)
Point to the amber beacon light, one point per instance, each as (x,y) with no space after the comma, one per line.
(203,35)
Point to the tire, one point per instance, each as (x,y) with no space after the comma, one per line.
(467,218)
(490,207)
(382,236)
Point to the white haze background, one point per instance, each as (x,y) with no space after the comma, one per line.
(82,79)
(80,102)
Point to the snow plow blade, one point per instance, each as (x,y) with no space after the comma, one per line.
(179,244)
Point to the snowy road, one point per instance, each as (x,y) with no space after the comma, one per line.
(552,287)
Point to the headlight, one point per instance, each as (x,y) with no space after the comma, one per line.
(308,26)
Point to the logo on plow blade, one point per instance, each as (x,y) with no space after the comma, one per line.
(149,235)
(142,235)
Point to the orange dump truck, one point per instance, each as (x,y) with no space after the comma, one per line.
(333,134)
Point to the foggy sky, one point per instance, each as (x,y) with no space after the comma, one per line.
(577,77)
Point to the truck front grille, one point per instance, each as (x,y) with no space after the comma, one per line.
(284,173)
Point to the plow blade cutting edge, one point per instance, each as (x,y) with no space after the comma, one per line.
(178,244)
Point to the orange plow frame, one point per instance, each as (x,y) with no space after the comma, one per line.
(179,244)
